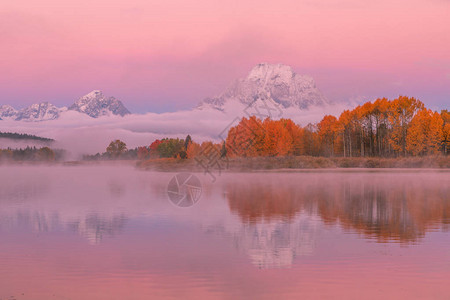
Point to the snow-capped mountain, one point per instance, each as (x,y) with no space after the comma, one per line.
(276,82)
(38,112)
(7,111)
(35,112)
(95,104)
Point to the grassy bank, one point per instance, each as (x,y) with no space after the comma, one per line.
(298,162)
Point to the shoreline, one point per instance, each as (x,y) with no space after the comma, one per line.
(287,164)
(266,164)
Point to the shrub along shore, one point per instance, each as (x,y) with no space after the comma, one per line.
(295,162)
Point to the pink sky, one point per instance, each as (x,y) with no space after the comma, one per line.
(167,55)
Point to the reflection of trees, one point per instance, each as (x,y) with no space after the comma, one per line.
(93,226)
(401,210)
(21,192)
(258,201)
(273,231)
(36,221)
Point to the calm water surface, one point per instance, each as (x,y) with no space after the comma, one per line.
(110,232)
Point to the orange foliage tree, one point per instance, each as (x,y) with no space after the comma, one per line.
(328,129)
(445,115)
(425,133)
(383,128)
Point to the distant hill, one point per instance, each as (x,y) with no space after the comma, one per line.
(24,136)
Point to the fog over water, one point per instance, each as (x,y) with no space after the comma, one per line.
(110,231)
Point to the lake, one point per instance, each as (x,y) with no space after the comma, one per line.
(114,232)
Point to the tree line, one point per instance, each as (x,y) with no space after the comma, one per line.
(383,128)
(31,154)
(23,136)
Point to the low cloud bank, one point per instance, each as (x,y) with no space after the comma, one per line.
(80,134)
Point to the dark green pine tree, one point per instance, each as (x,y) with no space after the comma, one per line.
(187,141)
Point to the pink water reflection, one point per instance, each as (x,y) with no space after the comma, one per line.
(82,239)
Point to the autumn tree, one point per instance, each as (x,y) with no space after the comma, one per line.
(402,110)
(153,148)
(171,148)
(311,141)
(327,130)
(246,138)
(45,154)
(253,137)
(381,128)
(344,128)
(143,153)
(445,115)
(425,133)
(278,141)
(297,135)
(193,149)
(116,148)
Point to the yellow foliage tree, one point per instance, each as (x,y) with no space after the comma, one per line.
(401,112)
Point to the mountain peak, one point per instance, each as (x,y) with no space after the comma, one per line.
(276,82)
(95,104)
(7,111)
(38,112)
(94,93)
(265,71)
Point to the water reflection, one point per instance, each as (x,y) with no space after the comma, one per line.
(308,231)
(385,207)
(276,243)
(17,192)
(276,212)
(94,227)
(29,221)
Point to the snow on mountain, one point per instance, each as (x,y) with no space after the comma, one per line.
(38,112)
(276,82)
(95,104)
(7,111)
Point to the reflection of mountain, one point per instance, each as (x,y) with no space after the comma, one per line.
(271,244)
(375,205)
(278,242)
(267,224)
(93,226)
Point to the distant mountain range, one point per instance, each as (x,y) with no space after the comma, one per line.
(275,82)
(94,104)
